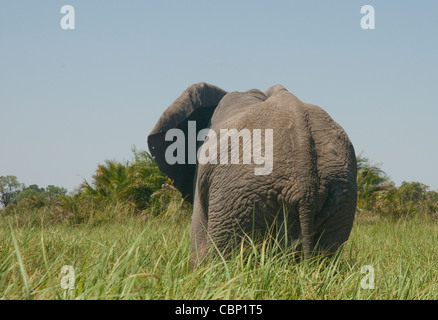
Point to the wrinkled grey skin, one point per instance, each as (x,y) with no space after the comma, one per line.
(312,185)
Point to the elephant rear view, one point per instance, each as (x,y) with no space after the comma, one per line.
(251,160)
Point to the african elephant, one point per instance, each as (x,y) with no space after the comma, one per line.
(309,180)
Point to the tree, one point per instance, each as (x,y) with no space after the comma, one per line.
(413,192)
(26,192)
(372,183)
(9,188)
(146,177)
(129,182)
(51,193)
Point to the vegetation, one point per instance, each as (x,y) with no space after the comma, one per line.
(9,188)
(149,259)
(126,235)
(378,195)
(138,188)
(132,188)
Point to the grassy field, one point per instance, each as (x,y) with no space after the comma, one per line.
(136,258)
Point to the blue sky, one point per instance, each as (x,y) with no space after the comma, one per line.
(69,99)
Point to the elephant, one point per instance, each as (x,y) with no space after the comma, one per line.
(307,191)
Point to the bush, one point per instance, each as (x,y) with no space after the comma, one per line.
(138,188)
(377,194)
(127,183)
(117,189)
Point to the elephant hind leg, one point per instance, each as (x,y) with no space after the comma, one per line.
(296,226)
(287,229)
(334,222)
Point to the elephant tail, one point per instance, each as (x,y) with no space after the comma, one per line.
(306,215)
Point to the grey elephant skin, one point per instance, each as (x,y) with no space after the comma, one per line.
(310,196)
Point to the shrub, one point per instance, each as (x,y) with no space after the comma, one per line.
(377,194)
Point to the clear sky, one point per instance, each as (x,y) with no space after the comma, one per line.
(69,99)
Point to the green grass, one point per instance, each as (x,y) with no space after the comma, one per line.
(136,258)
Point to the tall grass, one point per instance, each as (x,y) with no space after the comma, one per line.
(134,258)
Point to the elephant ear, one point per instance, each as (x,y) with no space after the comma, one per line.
(196,103)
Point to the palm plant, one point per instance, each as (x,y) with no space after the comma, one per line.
(125,183)
(372,183)
(146,179)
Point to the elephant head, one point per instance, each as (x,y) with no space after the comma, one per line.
(311,176)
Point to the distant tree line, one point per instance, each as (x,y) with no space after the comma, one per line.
(13,192)
(137,187)
(377,194)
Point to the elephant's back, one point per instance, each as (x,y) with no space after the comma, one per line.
(312,155)
(305,138)
(319,150)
